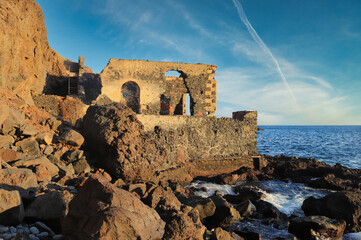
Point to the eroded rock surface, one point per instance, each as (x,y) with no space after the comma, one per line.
(117,140)
(25,55)
(103,211)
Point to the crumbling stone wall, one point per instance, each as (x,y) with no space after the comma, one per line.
(160,94)
(187,138)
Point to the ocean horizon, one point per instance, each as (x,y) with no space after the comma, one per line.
(328,143)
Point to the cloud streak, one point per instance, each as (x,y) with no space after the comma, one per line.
(264,47)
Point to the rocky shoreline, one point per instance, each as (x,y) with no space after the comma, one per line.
(55,187)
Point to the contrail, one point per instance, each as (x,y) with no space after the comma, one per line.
(264,47)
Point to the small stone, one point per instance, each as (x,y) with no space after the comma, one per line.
(4,229)
(21,231)
(58,237)
(13,229)
(48,150)
(43,235)
(7,236)
(33,237)
(34,230)
(26,230)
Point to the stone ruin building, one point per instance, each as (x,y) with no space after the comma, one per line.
(188,129)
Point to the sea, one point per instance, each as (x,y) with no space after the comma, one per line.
(330,144)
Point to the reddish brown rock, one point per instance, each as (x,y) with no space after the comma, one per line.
(50,205)
(25,55)
(23,180)
(159,198)
(345,205)
(11,208)
(116,138)
(220,234)
(41,166)
(183,225)
(72,137)
(225,214)
(103,211)
(317,227)
(8,155)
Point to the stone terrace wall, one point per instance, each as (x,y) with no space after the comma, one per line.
(195,79)
(192,138)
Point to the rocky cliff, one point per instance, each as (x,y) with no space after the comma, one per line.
(25,55)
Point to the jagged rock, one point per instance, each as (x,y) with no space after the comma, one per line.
(29,146)
(244,208)
(161,199)
(103,211)
(345,205)
(183,225)
(28,130)
(81,166)
(4,109)
(50,205)
(48,150)
(74,155)
(6,141)
(248,193)
(46,138)
(67,170)
(204,206)
(21,179)
(42,167)
(220,234)
(72,137)
(8,155)
(225,214)
(11,208)
(25,55)
(268,212)
(116,138)
(15,120)
(317,227)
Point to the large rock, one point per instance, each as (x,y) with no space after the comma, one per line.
(43,168)
(161,199)
(29,146)
(183,225)
(343,205)
(225,215)
(50,205)
(317,227)
(25,55)
(103,211)
(116,138)
(21,179)
(220,234)
(204,206)
(72,137)
(11,208)
(6,141)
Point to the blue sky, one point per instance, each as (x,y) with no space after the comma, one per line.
(296,62)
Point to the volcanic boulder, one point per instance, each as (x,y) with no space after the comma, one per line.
(343,205)
(116,138)
(102,211)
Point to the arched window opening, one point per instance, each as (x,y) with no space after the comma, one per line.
(131,93)
(173,73)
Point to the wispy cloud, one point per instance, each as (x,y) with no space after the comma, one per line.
(264,47)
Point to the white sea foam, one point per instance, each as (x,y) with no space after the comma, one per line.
(211,188)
